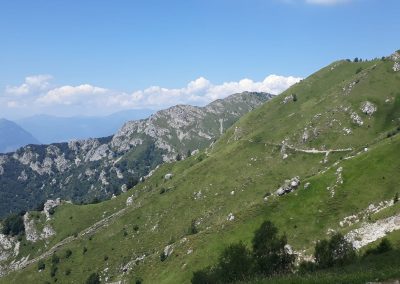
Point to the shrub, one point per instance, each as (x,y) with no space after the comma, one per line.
(68,253)
(93,278)
(68,271)
(269,251)
(105,257)
(13,225)
(55,259)
(396,198)
(193,228)
(136,228)
(384,246)
(178,157)
(41,265)
(163,256)
(335,252)
(84,250)
(189,153)
(53,270)
(204,276)
(358,70)
(307,266)
(294,96)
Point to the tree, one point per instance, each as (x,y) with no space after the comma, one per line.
(13,225)
(269,251)
(178,157)
(93,278)
(294,97)
(335,252)
(189,153)
(356,59)
(235,263)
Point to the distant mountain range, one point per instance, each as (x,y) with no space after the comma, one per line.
(12,136)
(51,129)
(97,168)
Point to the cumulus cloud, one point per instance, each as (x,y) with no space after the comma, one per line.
(93,100)
(68,95)
(31,84)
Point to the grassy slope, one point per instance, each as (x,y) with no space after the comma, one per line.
(304,215)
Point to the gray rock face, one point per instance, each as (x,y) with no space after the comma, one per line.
(103,164)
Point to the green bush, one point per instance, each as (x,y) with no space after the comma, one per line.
(41,265)
(68,253)
(93,278)
(55,259)
(384,246)
(163,256)
(13,225)
(193,228)
(53,270)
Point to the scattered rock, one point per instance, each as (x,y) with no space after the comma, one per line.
(368,108)
(168,250)
(356,119)
(306,185)
(287,99)
(289,186)
(129,201)
(230,217)
(396,67)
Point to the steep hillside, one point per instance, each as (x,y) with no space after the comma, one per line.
(99,168)
(12,136)
(320,158)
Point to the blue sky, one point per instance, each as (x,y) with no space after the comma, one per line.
(104,55)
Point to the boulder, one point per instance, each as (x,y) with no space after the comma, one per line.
(368,108)
(168,176)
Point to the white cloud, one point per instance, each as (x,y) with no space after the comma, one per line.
(31,84)
(67,95)
(92,100)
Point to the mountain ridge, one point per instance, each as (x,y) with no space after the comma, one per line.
(83,170)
